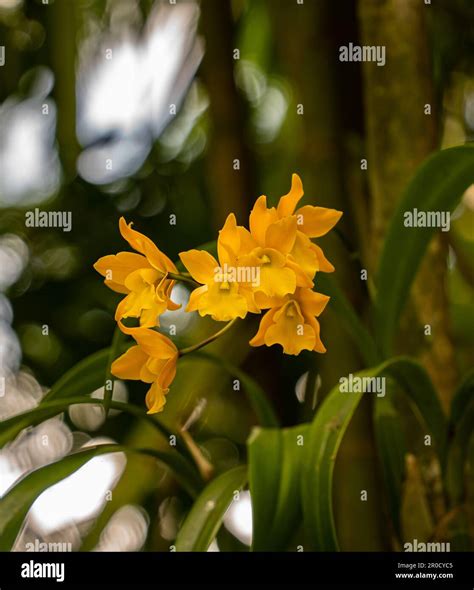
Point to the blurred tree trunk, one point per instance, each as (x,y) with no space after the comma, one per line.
(231,190)
(304,34)
(61,37)
(399,137)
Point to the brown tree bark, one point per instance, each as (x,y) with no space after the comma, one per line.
(231,190)
(399,137)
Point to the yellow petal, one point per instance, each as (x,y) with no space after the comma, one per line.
(302,279)
(117,287)
(150,318)
(155,398)
(290,330)
(223,302)
(323,263)
(134,303)
(146,375)
(304,255)
(265,323)
(249,296)
(265,302)
(287,204)
(200,264)
(129,365)
(168,373)
(275,281)
(116,268)
(141,279)
(317,221)
(195,297)
(129,307)
(247,243)
(152,342)
(228,242)
(155,344)
(318,345)
(281,235)
(260,219)
(145,246)
(161,370)
(311,303)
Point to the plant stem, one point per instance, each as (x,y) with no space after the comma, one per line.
(208,340)
(183,277)
(108,393)
(205,467)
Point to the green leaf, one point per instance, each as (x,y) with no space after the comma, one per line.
(392,450)
(437,186)
(83,378)
(461,399)
(323,440)
(17,501)
(257,398)
(417,385)
(203,521)
(113,354)
(461,425)
(456,472)
(327,430)
(350,320)
(10,428)
(275,467)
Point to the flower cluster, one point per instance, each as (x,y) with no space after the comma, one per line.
(268,268)
(276,262)
(144,280)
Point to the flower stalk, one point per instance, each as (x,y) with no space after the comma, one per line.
(208,340)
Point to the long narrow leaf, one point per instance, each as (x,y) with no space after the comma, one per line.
(437,186)
(202,523)
(275,467)
(456,472)
(392,450)
(462,398)
(327,430)
(10,428)
(85,377)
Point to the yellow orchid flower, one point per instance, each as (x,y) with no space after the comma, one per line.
(312,222)
(292,322)
(275,225)
(273,241)
(142,277)
(226,292)
(264,248)
(153,360)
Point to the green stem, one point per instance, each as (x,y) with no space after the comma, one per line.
(184,278)
(208,340)
(108,393)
